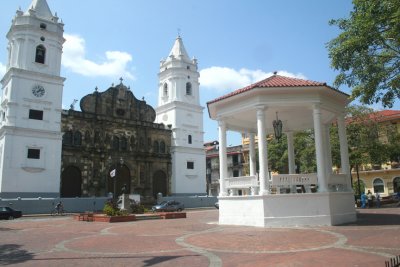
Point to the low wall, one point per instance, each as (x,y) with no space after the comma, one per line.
(46,205)
(193,201)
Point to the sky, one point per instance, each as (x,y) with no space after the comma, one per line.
(236,43)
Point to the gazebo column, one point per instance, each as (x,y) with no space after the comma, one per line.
(262,151)
(252,154)
(252,158)
(328,151)
(292,167)
(223,167)
(319,148)
(344,152)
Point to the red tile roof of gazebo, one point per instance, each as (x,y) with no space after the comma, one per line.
(274,81)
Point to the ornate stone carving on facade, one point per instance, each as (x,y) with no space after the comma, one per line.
(118,102)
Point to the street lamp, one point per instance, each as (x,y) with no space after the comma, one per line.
(277,127)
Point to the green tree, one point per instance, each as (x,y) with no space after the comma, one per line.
(367,51)
(304,144)
(277,154)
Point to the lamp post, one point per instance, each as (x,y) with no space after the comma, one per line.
(277,127)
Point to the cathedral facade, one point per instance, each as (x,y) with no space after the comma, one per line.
(113,141)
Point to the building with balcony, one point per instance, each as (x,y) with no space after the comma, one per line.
(235,163)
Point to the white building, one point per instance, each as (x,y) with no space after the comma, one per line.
(30,133)
(179,108)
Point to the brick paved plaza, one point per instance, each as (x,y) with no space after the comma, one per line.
(198,241)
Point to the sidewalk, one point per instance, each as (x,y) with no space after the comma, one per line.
(198,240)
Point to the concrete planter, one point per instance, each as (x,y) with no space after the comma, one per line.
(105,218)
(172,215)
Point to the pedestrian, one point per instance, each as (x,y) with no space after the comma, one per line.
(378,199)
(59,207)
(369,197)
(363,200)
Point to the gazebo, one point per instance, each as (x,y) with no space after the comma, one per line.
(287,104)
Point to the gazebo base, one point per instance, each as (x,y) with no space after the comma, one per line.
(309,209)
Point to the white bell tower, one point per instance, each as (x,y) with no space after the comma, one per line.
(31,105)
(179,108)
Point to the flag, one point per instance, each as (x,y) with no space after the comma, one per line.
(112,173)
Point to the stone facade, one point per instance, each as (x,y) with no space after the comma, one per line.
(114,131)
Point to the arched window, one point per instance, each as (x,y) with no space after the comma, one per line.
(77,138)
(67,138)
(379,186)
(40,54)
(165,89)
(189,139)
(188,88)
(115,144)
(97,137)
(123,144)
(162,147)
(156,148)
(396,184)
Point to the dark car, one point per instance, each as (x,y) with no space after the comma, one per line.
(171,205)
(9,213)
(216,205)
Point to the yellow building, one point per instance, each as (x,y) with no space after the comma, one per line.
(384,179)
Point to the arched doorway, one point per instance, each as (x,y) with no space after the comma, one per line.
(396,184)
(159,183)
(71,182)
(122,177)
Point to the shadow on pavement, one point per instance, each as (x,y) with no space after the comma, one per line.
(377,219)
(12,253)
(160,259)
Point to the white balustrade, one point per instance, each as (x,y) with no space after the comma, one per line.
(294,179)
(242,182)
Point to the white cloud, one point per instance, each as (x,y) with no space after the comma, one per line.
(227,79)
(2,70)
(115,64)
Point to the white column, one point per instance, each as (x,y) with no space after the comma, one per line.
(292,167)
(328,151)
(262,151)
(344,150)
(223,167)
(252,155)
(319,147)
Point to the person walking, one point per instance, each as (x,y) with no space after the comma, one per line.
(363,200)
(369,197)
(378,199)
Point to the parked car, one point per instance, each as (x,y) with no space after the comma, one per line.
(170,205)
(216,205)
(9,213)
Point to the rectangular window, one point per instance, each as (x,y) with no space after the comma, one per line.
(36,114)
(33,153)
(190,165)
(235,160)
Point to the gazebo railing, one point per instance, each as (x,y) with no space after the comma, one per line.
(248,185)
(284,183)
(289,183)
